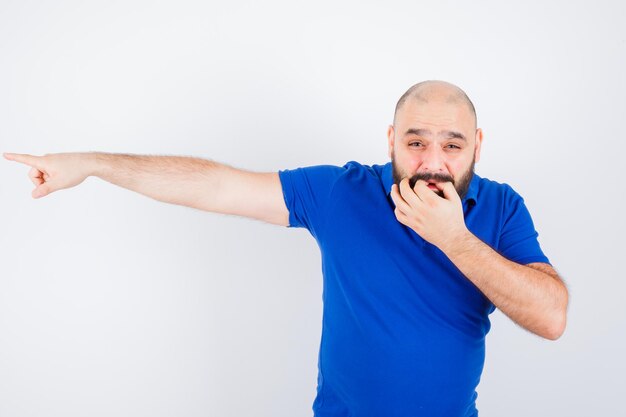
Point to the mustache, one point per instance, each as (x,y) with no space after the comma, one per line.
(429,176)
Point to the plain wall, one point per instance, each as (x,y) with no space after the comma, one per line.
(114,304)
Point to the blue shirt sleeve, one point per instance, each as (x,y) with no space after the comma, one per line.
(307,192)
(518,238)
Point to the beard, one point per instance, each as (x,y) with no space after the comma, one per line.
(461,185)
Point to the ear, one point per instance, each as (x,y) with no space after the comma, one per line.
(479,143)
(390,139)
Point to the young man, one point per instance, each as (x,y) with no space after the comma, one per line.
(416,253)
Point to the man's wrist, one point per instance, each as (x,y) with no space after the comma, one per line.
(458,244)
(94,163)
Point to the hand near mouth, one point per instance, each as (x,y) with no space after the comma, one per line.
(433,210)
(435,186)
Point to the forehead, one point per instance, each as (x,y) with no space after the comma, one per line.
(434,114)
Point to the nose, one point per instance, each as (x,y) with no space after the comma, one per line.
(433,160)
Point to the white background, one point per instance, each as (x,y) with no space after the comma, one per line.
(114,304)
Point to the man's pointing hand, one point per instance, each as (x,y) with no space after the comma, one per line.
(52,172)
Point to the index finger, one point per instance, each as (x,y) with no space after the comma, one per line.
(22,158)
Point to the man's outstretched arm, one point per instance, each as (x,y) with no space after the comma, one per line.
(186,181)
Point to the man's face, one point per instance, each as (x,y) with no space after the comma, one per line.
(435,141)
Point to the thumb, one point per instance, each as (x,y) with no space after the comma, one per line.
(42,190)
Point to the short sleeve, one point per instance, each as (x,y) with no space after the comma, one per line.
(307,192)
(518,238)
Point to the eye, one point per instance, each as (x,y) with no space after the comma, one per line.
(415,144)
(453,146)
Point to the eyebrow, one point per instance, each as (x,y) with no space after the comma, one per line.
(443,133)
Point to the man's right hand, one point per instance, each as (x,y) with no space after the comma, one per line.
(53,172)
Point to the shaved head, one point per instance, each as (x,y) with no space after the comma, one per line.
(432,90)
(434,136)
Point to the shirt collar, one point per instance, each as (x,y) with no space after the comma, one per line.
(472,191)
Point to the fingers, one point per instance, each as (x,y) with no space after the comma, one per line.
(36,176)
(22,158)
(424,193)
(41,191)
(401,206)
(398,199)
(402,217)
(449,192)
(407,193)
(427,195)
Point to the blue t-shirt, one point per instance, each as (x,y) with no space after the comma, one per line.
(403,330)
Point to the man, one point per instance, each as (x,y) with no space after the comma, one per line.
(416,253)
